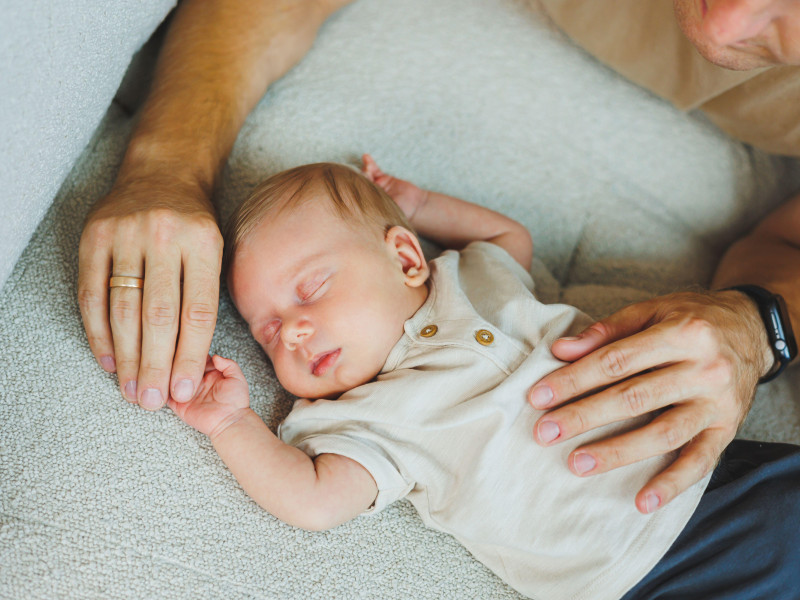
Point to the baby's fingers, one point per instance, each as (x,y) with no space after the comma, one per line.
(371,169)
(228,368)
(179,408)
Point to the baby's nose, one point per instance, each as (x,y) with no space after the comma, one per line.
(296,332)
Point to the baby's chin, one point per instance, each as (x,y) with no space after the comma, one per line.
(326,388)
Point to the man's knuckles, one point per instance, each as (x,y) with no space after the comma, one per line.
(199,315)
(613,362)
(160,315)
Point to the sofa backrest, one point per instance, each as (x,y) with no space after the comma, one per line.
(60,66)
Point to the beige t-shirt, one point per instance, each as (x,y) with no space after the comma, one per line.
(446,424)
(641,39)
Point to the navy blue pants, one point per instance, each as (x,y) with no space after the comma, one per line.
(743,542)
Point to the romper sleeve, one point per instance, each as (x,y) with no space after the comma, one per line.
(487,257)
(313,429)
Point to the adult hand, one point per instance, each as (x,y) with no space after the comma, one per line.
(693,359)
(156,338)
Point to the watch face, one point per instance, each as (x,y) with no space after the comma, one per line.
(783,337)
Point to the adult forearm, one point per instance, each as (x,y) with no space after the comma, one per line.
(769,262)
(218,58)
(768,256)
(157,223)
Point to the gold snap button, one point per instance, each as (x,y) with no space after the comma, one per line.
(484,337)
(429,331)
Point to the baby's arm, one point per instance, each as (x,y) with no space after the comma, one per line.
(451,222)
(314,494)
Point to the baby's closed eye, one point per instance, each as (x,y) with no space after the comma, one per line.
(271,329)
(313,289)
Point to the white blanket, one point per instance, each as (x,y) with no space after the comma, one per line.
(481,99)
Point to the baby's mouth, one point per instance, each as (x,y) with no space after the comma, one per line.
(322,362)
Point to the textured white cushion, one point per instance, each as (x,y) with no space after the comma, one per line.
(60,65)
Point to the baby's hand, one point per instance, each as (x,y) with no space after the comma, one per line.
(222,393)
(408,196)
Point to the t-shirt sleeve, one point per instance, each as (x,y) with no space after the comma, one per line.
(485,255)
(316,436)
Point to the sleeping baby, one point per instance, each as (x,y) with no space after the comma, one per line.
(412,378)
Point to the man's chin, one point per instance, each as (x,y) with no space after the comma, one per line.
(722,56)
(731,59)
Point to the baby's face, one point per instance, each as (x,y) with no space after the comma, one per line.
(327,302)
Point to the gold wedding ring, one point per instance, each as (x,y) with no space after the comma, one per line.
(122,281)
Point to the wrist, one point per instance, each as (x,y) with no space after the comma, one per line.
(780,345)
(767,359)
(231,422)
(179,166)
(149,185)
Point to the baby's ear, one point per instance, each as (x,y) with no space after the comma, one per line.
(404,246)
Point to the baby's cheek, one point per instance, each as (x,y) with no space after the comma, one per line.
(285,377)
(353,375)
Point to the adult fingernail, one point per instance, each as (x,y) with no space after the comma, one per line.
(583,463)
(548,431)
(184,390)
(108,363)
(152,399)
(130,390)
(651,502)
(541,396)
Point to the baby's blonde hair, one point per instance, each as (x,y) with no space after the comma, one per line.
(350,194)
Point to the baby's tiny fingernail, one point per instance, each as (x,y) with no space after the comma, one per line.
(569,338)
(184,390)
(541,396)
(108,363)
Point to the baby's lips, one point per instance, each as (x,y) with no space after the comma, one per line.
(322,362)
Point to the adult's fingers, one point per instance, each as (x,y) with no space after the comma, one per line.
(606,365)
(694,462)
(125,307)
(126,326)
(630,398)
(198,319)
(669,431)
(624,323)
(180,408)
(94,267)
(160,315)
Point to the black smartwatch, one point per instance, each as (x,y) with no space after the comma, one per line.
(773,312)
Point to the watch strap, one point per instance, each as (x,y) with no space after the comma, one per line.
(775,317)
